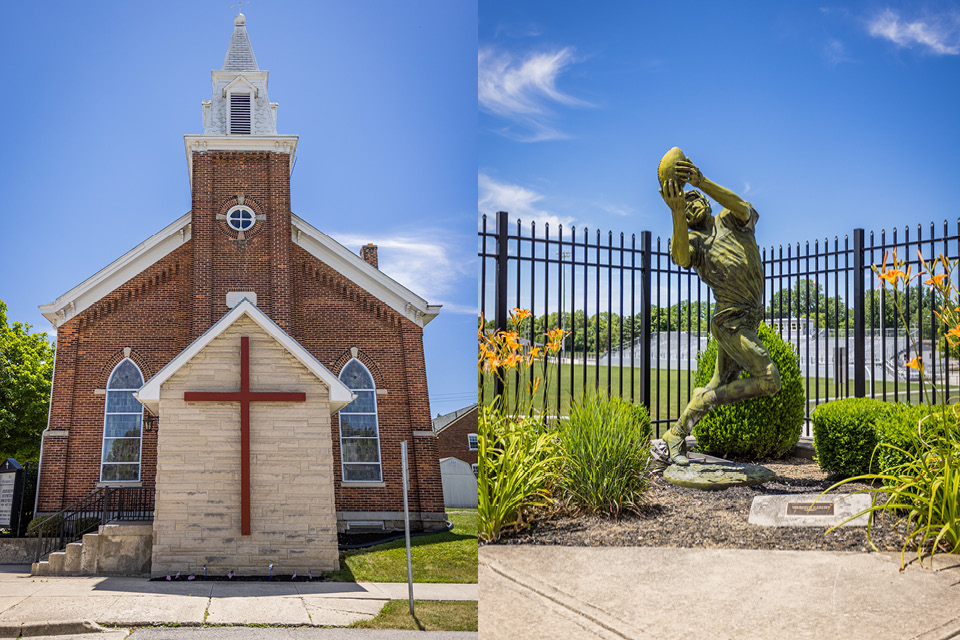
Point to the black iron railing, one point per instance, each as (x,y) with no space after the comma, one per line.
(636,321)
(105,505)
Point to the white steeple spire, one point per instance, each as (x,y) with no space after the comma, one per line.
(240,53)
(239,116)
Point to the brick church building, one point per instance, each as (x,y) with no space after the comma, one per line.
(254,371)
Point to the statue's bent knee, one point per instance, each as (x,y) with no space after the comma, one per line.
(770,380)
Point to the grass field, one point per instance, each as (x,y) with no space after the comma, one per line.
(668,389)
(440,557)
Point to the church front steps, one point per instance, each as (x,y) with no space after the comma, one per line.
(125,549)
(71,560)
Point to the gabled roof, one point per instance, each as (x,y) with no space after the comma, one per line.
(240,52)
(442,422)
(94,288)
(363,274)
(340,395)
(320,245)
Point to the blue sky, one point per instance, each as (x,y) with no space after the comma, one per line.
(825,116)
(381,93)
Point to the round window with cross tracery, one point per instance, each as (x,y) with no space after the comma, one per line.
(240,218)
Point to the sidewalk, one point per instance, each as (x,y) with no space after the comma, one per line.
(535,592)
(63,605)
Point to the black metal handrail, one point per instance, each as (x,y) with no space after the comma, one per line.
(107,504)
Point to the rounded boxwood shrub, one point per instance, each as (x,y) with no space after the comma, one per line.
(845,435)
(897,433)
(761,428)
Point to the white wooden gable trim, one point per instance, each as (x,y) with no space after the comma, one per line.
(315,242)
(117,272)
(363,274)
(340,395)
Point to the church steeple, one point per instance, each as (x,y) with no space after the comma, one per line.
(239,116)
(240,53)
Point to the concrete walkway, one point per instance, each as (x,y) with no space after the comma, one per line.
(534,592)
(55,605)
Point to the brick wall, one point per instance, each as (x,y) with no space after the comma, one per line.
(452,440)
(158,312)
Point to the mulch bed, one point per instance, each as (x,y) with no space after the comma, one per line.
(677,517)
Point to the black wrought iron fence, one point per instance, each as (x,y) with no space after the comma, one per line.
(636,321)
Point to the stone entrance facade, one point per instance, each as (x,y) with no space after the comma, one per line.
(293,516)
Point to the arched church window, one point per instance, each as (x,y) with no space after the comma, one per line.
(359,431)
(122,425)
(240,113)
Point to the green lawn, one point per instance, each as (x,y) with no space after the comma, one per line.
(440,557)
(440,615)
(669,389)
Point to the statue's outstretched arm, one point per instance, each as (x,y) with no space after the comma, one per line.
(688,172)
(672,194)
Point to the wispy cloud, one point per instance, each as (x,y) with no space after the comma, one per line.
(429,267)
(937,34)
(519,201)
(522,90)
(834,53)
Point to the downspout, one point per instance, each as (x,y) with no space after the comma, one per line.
(53,377)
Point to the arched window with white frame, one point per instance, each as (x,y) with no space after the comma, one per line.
(359,429)
(122,425)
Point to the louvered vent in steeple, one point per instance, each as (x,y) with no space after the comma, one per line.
(240,113)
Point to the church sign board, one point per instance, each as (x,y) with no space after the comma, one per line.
(11,486)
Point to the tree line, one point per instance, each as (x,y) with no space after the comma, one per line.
(806,299)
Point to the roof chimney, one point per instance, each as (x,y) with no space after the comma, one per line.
(369,254)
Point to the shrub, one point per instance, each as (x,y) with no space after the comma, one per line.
(844,433)
(49,524)
(606,455)
(761,428)
(897,434)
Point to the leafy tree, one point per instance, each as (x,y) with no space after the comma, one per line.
(26,368)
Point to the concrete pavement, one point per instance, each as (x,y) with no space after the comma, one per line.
(640,593)
(60,605)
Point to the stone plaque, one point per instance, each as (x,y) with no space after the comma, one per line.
(810,509)
(806,510)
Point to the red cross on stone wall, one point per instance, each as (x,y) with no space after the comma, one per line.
(244,397)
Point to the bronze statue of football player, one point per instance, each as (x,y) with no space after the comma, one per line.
(723,251)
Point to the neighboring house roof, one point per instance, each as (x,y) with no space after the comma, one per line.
(340,395)
(318,244)
(442,422)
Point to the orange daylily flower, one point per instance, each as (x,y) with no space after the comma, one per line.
(953,335)
(519,315)
(936,280)
(536,352)
(916,363)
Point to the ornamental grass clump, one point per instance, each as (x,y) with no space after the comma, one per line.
(920,462)
(518,451)
(606,455)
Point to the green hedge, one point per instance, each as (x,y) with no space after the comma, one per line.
(761,428)
(845,435)
(897,432)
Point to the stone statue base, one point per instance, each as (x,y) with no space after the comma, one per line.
(711,476)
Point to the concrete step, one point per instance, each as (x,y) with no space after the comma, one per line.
(56,560)
(42,568)
(88,557)
(71,563)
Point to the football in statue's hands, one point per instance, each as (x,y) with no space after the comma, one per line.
(666,169)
